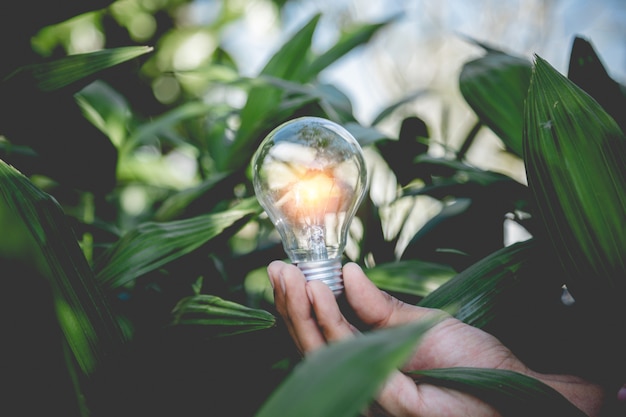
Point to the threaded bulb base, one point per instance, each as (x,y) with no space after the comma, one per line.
(328,271)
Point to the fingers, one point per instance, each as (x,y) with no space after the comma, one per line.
(374,307)
(311,313)
(330,320)
(292,303)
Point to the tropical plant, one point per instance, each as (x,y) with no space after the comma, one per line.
(138,285)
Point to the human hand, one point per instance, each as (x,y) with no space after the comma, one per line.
(313,319)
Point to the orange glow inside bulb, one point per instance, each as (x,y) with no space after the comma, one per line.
(315,190)
(313,196)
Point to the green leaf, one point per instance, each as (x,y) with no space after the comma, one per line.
(54,75)
(404,100)
(356,36)
(410,277)
(459,179)
(587,71)
(83,313)
(340,379)
(263,100)
(178,203)
(511,393)
(106,109)
(364,135)
(165,122)
(333,101)
(576,167)
(152,245)
(219,317)
(495,87)
(478,293)
(292,56)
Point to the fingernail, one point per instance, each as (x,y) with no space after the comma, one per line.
(281,280)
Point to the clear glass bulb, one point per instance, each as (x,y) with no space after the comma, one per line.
(309,175)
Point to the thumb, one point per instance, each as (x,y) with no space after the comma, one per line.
(373,307)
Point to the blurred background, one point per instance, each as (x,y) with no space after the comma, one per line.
(202,47)
(423,49)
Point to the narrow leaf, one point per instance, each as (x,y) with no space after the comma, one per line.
(175,205)
(364,135)
(410,277)
(456,178)
(166,121)
(512,393)
(54,75)
(219,317)
(152,245)
(478,292)
(402,101)
(350,40)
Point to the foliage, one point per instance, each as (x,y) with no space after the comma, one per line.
(128,216)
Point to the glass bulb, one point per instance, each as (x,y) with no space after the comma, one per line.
(309,175)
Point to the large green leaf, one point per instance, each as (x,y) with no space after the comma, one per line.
(495,87)
(218,317)
(576,167)
(152,245)
(83,313)
(342,378)
(54,75)
(512,393)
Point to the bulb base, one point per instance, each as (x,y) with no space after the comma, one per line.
(329,271)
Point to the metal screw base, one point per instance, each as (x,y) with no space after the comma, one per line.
(327,270)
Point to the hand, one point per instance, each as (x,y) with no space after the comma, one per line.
(313,319)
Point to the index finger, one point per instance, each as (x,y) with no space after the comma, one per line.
(293,304)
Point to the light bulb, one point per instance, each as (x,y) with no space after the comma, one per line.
(309,175)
